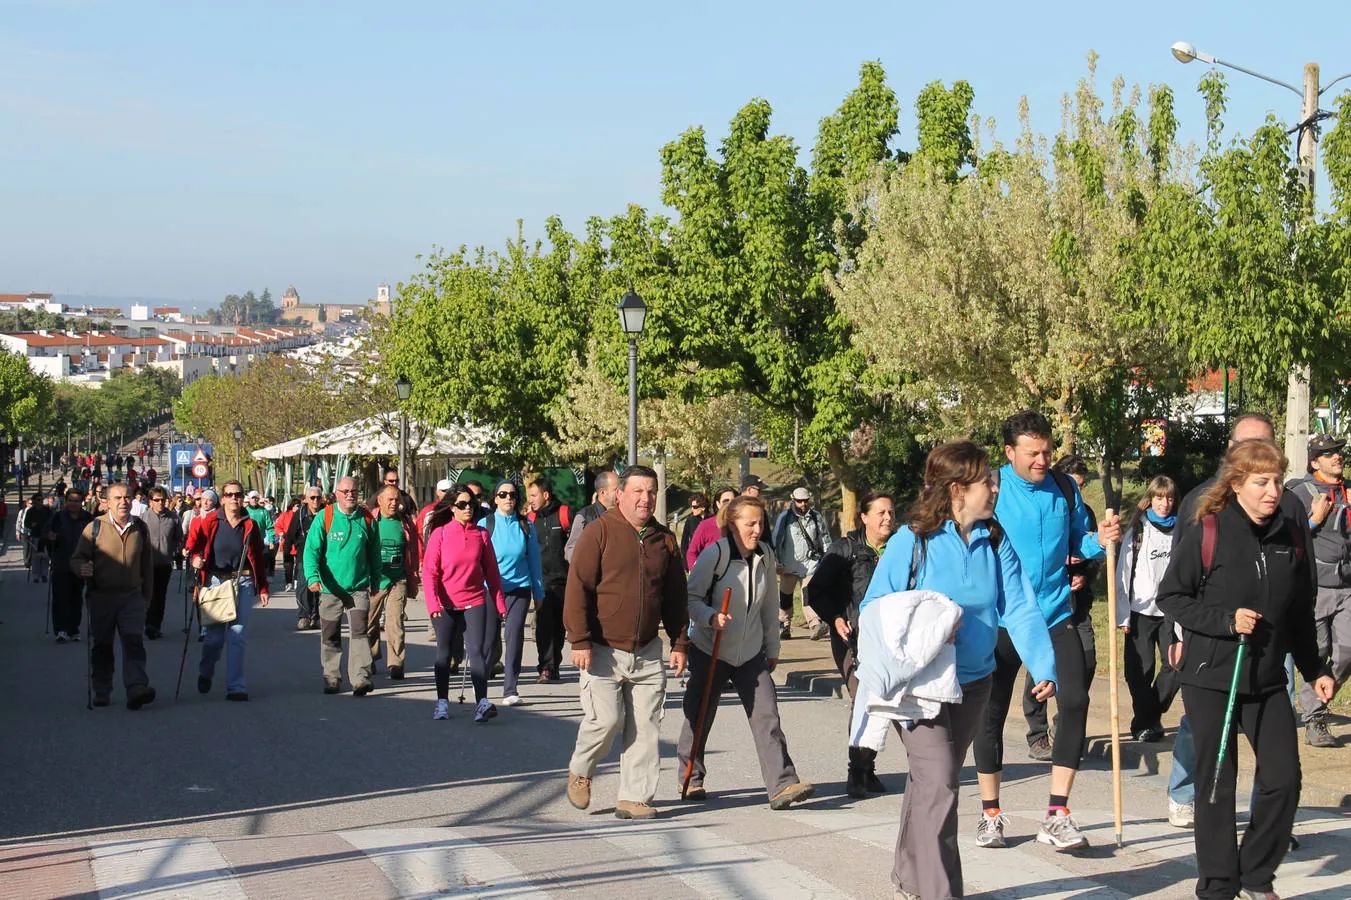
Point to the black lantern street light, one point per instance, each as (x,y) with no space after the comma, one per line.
(239,437)
(403,389)
(632,316)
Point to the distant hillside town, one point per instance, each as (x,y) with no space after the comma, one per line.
(88,345)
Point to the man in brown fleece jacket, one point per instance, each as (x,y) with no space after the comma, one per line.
(115,558)
(625,584)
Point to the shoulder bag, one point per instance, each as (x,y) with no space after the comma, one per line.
(219,605)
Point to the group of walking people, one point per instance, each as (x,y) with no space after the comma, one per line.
(931,614)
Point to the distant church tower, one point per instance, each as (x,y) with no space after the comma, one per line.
(291,299)
(382,299)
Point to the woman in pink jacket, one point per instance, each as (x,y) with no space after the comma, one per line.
(459,571)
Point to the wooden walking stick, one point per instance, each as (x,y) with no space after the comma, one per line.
(703,702)
(1113,677)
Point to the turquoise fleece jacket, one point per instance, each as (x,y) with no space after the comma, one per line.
(517,555)
(987,583)
(1045,531)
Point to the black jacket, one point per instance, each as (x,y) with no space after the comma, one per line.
(841,579)
(299,528)
(552,537)
(68,529)
(1259,567)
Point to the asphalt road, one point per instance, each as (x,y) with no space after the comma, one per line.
(299,794)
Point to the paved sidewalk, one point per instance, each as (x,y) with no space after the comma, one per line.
(808,666)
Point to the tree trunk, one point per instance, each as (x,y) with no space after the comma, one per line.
(847,477)
(1106,470)
(659,466)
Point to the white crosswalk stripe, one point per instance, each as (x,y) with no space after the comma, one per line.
(425,863)
(186,867)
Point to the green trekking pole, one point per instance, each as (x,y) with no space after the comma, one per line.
(1228,715)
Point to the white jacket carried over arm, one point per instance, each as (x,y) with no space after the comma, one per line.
(907,668)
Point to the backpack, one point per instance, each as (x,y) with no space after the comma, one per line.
(365,515)
(564,516)
(1210,535)
(491,522)
(135,523)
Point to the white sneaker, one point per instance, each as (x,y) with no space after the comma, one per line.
(512,700)
(1181,815)
(290,586)
(442,710)
(1060,832)
(990,831)
(62,637)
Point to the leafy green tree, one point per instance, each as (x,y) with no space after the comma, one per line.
(25,396)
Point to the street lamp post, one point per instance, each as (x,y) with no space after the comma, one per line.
(403,389)
(632,316)
(23,474)
(1297,387)
(239,437)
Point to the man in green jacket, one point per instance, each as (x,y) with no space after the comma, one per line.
(264,521)
(342,565)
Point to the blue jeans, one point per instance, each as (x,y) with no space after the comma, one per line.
(217,636)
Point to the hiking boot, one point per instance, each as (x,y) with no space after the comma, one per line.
(871,783)
(1181,815)
(794,793)
(579,791)
(634,809)
(695,792)
(1040,749)
(1059,831)
(332,685)
(203,685)
(237,696)
(139,697)
(396,673)
(442,710)
(1316,734)
(1250,894)
(854,784)
(990,831)
(362,689)
(102,700)
(302,624)
(819,630)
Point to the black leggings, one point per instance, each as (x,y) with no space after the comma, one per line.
(478,626)
(1071,696)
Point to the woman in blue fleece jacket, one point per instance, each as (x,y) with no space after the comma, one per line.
(517,548)
(951,545)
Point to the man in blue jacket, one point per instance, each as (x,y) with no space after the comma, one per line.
(1046,522)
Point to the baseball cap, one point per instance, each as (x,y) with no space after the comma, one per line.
(801,494)
(252,495)
(752,481)
(1324,443)
(444,485)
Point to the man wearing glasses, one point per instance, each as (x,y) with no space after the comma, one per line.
(342,566)
(390,478)
(801,536)
(293,544)
(1323,495)
(166,539)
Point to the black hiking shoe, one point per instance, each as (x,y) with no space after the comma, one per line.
(141,697)
(203,685)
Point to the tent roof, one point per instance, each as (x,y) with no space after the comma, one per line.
(378,436)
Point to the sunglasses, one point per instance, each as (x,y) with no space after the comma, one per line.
(156,499)
(345,491)
(229,494)
(502,495)
(462,504)
(394,481)
(312,497)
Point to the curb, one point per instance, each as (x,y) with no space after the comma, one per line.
(820,684)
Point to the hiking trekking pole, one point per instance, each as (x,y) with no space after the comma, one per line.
(187,636)
(47,628)
(1228,715)
(1112,678)
(703,702)
(89,648)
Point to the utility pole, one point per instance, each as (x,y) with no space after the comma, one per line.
(1297,391)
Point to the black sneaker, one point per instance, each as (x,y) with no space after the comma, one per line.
(102,700)
(361,690)
(332,686)
(203,685)
(396,672)
(153,634)
(142,697)
(237,696)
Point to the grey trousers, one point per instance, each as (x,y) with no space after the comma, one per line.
(359,662)
(927,862)
(1332,621)
(753,684)
(122,614)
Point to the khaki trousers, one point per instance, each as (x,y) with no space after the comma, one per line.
(786,584)
(331,612)
(623,692)
(392,601)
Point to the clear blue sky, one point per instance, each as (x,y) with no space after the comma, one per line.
(187,150)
